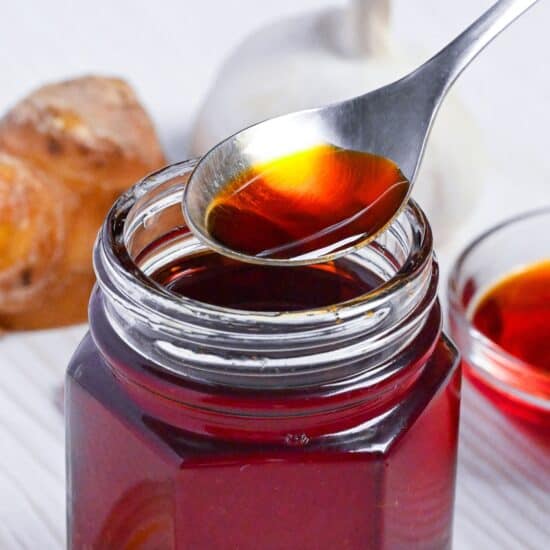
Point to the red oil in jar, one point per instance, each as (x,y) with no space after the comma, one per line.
(217,280)
(321,197)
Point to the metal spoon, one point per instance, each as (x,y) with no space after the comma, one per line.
(393,122)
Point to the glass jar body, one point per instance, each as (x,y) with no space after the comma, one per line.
(385,480)
(192,425)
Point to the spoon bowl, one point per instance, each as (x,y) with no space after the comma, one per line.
(391,122)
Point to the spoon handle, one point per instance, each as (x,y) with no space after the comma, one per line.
(446,66)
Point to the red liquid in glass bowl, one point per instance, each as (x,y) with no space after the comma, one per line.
(499,317)
(514,314)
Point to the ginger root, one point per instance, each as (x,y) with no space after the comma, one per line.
(66,152)
(31,232)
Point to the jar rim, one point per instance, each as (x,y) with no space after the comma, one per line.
(217,339)
(117,254)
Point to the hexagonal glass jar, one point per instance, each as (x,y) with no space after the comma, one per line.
(196,425)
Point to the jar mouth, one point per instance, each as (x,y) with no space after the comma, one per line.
(188,331)
(121,221)
(469,281)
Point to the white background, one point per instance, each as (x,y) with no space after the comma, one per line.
(170,51)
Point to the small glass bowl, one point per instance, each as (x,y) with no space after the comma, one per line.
(515,386)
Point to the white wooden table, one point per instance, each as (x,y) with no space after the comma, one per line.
(170,52)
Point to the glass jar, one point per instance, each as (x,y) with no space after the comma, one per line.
(191,425)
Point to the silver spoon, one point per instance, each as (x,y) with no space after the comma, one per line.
(392,122)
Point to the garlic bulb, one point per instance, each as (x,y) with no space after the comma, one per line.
(328,56)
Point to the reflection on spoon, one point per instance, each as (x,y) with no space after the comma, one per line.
(307,204)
